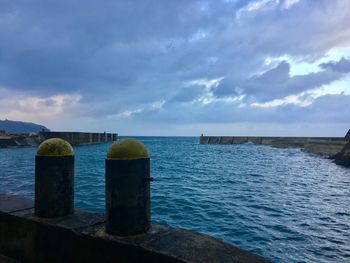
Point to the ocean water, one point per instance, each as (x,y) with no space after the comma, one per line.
(283,204)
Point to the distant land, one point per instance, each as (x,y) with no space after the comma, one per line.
(21,127)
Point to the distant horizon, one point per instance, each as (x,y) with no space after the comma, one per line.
(282,133)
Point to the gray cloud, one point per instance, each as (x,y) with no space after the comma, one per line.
(122,55)
(342,65)
(277,82)
(324,109)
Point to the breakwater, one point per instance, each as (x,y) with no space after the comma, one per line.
(79,138)
(49,229)
(335,147)
(74,138)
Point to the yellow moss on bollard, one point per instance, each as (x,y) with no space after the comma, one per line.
(128,149)
(55,147)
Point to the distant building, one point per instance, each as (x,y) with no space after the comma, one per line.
(2,132)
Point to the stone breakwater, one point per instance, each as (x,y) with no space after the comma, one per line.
(74,138)
(79,138)
(333,147)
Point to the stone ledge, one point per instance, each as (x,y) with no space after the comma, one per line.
(81,238)
(4,259)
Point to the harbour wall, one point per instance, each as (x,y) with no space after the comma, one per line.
(79,138)
(74,138)
(81,237)
(335,147)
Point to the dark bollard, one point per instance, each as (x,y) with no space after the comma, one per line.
(127,188)
(54,179)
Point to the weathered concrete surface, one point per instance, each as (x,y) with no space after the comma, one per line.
(74,138)
(324,147)
(4,259)
(343,157)
(266,141)
(239,139)
(333,147)
(80,237)
(54,185)
(280,143)
(128,193)
(214,140)
(269,140)
(226,140)
(79,138)
(255,140)
(7,141)
(204,139)
(19,140)
(14,203)
(347,136)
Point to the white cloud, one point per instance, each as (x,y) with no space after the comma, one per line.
(18,107)
(255,6)
(289,3)
(128,113)
(298,100)
(154,106)
(305,99)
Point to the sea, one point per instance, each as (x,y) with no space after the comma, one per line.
(283,204)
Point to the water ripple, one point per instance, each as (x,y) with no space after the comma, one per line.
(283,204)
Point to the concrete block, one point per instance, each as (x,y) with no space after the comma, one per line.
(347,136)
(214,140)
(255,140)
(226,140)
(80,237)
(239,139)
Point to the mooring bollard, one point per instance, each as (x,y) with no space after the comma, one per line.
(127,188)
(54,179)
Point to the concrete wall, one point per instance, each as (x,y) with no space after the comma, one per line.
(324,148)
(225,140)
(6,141)
(329,146)
(347,136)
(79,138)
(18,141)
(80,237)
(343,157)
(266,140)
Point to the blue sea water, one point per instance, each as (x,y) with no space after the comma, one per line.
(283,204)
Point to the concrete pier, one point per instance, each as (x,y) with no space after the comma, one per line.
(328,146)
(79,138)
(80,237)
(74,138)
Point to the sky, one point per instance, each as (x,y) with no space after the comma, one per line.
(219,67)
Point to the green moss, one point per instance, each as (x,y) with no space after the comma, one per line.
(128,149)
(55,147)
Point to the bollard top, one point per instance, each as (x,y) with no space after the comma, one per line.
(128,149)
(55,147)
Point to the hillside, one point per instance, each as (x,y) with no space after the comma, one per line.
(20,127)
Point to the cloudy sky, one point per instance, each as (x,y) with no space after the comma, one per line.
(224,67)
